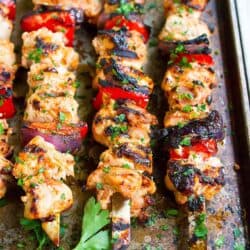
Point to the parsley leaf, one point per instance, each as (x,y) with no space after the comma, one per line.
(94,219)
(35,226)
(201,230)
(35,55)
(1,129)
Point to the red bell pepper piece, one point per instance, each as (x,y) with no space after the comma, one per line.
(7,108)
(118,93)
(11,5)
(206,147)
(55,20)
(121,21)
(200,58)
(84,130)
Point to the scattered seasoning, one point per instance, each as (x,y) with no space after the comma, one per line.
(62,117)
(99,186)
(219,242)
(239,246)
(202,107)
(186,141)
(3,202)
(125,8)
(35,55)
(237,233)
(151,220)
(187,108)
(200,230)
(121,117)
(20,182)
(117,130)
(1,129)
(106,169)
(76,84)
(185,96)
(153,42)
(126,165)
(151,6)
(184,63)
(176,231)
(63,196)
(164,227)
(171,212)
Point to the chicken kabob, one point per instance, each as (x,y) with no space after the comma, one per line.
(51,126)
(193,130)
(7,74)
(122,123)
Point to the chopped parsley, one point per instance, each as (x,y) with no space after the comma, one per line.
(184,63)
(99,186)
(117,130)
(106,169)
(185,96)
(1,129)
(164,227)
(62,117)
(126,165)
(187,108)
(219,242)
(186,141)
(171,213)
(121,117)
(35,55)
(201,230)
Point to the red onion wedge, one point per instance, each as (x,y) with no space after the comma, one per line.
(65,138)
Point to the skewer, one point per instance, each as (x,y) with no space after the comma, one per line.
(197,231)
(7,73)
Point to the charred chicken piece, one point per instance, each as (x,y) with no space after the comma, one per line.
(210,127)
(40,170)
(194,177)
(49,106)
(44,46)
(90,8)
(5,132)
(122,121)
(7,55)
(5,174)
(55,78)
(188,84)
(121,43)
(113,74)
(128,182)
(183,26)
(130,156)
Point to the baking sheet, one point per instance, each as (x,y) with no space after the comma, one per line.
(225,213)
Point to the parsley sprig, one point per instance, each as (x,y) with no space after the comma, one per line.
(94,219)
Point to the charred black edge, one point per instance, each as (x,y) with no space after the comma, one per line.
(120,226)
(211,127)
(34,149)
(120,41)
(199,44)
(115,75)
(195,6)
(76,13)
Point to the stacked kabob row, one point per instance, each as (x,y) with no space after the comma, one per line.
(52,130)
(122,123)
(7,75)
(192,128)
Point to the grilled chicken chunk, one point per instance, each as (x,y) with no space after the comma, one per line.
(91,8)
(128,182)
(188,85)
(5,131)
(7,75)
(44,46)
(109,73)
(180,118)
(194,177)
(127,45)
(6,28)
(5,173)
(7,55)
(54,78)
(44,106)
(122,121)
(40,169)
(130,156)
(182,24)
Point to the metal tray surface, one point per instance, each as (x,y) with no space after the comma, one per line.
(227,212)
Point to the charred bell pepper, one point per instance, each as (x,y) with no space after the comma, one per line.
(206,147)
(118,93)
(7,108)
(121,21)
(54,20)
